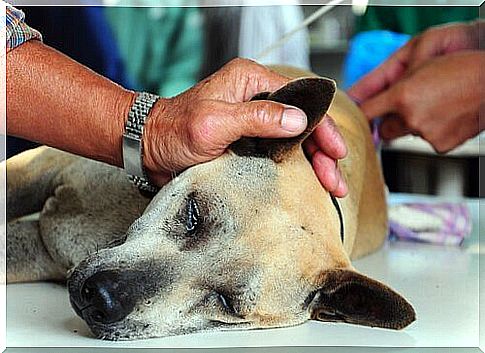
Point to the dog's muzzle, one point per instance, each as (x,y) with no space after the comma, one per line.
(103,296)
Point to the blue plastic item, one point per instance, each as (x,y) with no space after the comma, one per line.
(368,50)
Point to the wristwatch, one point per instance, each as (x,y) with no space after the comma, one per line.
(132,141)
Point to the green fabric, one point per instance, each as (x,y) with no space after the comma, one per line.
(412,19)
(161,46)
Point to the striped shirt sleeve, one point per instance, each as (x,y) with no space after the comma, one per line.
(17,31)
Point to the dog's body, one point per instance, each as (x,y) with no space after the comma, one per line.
(243,241)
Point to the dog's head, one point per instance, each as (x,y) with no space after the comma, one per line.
(249,240)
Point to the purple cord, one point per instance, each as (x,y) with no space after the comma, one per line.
(374,125)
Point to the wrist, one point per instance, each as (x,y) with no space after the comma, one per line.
(154,142)
(477,33)
(480,31)
(123,103)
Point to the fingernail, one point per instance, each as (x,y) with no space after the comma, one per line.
(337,177)
(341,189)
(342,185)
(293,120)
(356,100)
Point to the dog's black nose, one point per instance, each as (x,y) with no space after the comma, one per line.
(105,298)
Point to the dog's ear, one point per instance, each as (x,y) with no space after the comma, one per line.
(312,95)
(347,296)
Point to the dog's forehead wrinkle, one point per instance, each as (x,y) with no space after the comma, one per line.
(230,273)
(252,173)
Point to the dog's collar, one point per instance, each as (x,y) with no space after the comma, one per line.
(340,216)
(149,194)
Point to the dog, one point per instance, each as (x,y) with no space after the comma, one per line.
(248,240)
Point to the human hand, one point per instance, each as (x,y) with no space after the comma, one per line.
(434,42)
(442,40)
(324,147)
(392,90)
(440,101)
(199,124)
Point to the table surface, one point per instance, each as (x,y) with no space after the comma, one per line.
(416,144)
(441,282)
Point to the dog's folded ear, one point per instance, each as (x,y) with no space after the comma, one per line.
(346,296)
(313,95)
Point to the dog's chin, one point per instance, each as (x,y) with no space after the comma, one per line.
(125,331)
(130,330)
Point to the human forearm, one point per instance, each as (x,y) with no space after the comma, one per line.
(56,101)
(479,28)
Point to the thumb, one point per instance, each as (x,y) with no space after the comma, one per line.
(266,119)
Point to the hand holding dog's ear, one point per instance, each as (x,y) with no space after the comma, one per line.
(201,123)
(323,143)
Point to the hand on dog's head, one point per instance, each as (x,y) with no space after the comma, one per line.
(313,95)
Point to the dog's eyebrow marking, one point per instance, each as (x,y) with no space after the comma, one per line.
(202,216)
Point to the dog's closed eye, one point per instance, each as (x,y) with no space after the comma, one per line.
(193,216)
(226,303)
(219,301)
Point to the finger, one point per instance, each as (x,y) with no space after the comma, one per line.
(310,147)
(425,50)
(263,80)
(328,139)
(392,127)
(342,189)
(383,76)
(266,119)
(441,40)
(326,170)
(454,133)
(384,103)
(253,78)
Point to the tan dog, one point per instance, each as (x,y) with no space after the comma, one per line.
(249,240)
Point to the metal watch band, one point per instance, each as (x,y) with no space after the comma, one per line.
(132,141)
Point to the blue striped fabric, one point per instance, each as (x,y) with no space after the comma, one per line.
(17,31)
